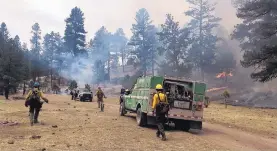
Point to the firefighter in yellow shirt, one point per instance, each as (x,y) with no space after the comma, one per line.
(33,100)
(100,95)
(160,105)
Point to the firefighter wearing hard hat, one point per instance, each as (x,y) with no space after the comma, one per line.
(161,107)
(100,95)
(33,100)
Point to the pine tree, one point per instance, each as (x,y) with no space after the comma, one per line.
(73,85)
(99,72)
(35,40)
(36,52)
(204,41)
(175,45)
(257,35)
(101,50)
(4,31)
(120,42)
(75,34)
(52,48)
(17,41)
(143,39)
(224,60)
(11,60)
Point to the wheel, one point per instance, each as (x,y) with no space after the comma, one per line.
(182,125)
(141,118)
(122,110)
(81,100)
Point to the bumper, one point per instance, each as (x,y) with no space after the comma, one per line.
(181,117)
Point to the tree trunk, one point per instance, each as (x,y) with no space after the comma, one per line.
(225,100)
(109,68)
(201,38)
(51,79)
(59,81)
(153,70)
(122,59)
(202,75)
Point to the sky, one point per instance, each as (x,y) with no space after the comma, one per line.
(20,15)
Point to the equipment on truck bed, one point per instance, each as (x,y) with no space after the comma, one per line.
(186,99)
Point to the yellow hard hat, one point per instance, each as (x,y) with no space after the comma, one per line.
(159,87)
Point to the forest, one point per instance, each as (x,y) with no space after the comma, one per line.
(171,49)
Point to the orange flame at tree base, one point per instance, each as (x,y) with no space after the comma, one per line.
(223,74)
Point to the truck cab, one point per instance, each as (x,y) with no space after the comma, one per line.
(186,99)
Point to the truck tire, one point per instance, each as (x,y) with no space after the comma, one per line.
(141,118)
(182,125)
(122,110)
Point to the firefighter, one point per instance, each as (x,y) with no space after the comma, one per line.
(100,95)
(161,107)
(33,100)
(122,91)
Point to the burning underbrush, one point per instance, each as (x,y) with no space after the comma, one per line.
(244,92)
(247,97)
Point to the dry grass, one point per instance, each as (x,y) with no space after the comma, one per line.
(262,121)
(80,126)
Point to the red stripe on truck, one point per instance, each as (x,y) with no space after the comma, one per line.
(175,115)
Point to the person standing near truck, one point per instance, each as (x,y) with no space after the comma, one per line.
(161,107)
(100,95)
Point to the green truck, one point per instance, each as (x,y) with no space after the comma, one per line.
(186,99)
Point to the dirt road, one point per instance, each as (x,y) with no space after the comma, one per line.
(77,126)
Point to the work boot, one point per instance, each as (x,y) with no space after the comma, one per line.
(158,134)
(36,116)
(102,107)
(163,137)
(36,121)
(32,119)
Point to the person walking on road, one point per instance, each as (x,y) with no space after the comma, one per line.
(100,95)
(24,90)
(33,100)
(161,107)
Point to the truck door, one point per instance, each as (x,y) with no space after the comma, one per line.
(129,99)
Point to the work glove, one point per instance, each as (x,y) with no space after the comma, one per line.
(46,100)
(26,103)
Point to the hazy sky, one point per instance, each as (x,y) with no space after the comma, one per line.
(20,15)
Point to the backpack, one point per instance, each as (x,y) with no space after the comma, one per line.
(162,107)
(35,96)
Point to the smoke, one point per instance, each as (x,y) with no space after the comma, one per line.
(81,68)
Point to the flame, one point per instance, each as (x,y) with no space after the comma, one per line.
(223,74)
(216,89)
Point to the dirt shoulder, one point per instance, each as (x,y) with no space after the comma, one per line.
(254,120)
